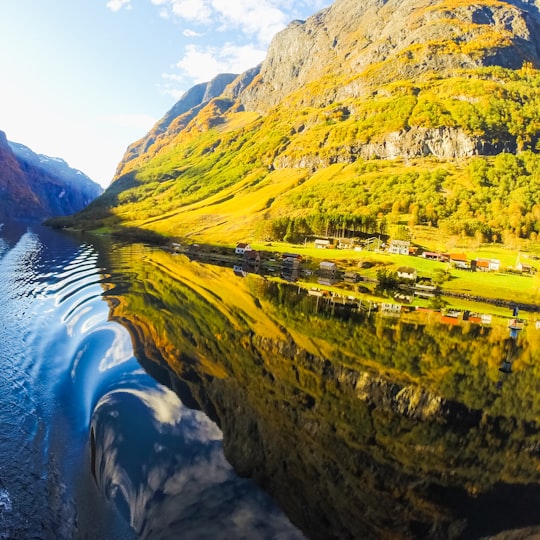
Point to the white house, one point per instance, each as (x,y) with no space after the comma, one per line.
(487,265)
(322,243)
(459,260)
(390,309)
(241,248)
(399,247)
(406,272)
(239,271)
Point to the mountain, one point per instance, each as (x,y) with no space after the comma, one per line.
(365,116)
(34,186)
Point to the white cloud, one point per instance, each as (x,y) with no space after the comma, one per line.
(201,64)
(117,5)
(259,19)
(198,11)
(191,33)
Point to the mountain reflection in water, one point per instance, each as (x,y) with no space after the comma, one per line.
(360,426)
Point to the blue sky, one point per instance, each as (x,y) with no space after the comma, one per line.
(82,79)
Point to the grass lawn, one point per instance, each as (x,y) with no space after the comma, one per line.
(495,285)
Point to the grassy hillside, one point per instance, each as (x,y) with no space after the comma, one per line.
(302,170)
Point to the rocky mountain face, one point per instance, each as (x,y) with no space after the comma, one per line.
(34,186)
(394,38)
(184,111)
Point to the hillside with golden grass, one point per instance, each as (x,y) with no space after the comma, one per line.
(366,115)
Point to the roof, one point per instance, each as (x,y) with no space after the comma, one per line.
(406,270)
(291,256)
(400,243)
(458,257)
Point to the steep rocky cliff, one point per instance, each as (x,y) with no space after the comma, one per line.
(34,186)
(391,38)
(374,80)
(184,111)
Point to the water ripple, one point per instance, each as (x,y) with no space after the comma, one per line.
(53,316)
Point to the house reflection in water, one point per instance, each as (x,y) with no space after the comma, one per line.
(515,326)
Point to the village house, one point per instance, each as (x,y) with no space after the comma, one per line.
(290,266)
(452,317)
(317,292)
(239,271)
(449,319)
(322,243)
(432,256)
(486,265)
(399,247)
(292,257)
(459,260)
(328,267)
(351,277)
(424,291)
(241,248)
(480,265)
(389,309)
(346,243)
(524,268)
(252,258)
(486,318)
(407,272)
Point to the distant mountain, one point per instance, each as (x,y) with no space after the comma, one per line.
(34,186)
(364,115)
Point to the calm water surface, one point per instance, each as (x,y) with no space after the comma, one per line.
(91,446)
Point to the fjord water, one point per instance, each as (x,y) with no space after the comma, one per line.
(91,446)
(140,389)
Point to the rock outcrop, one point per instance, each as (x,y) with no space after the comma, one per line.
(179,116)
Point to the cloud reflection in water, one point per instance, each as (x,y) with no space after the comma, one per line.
(163,466)
(121,350)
